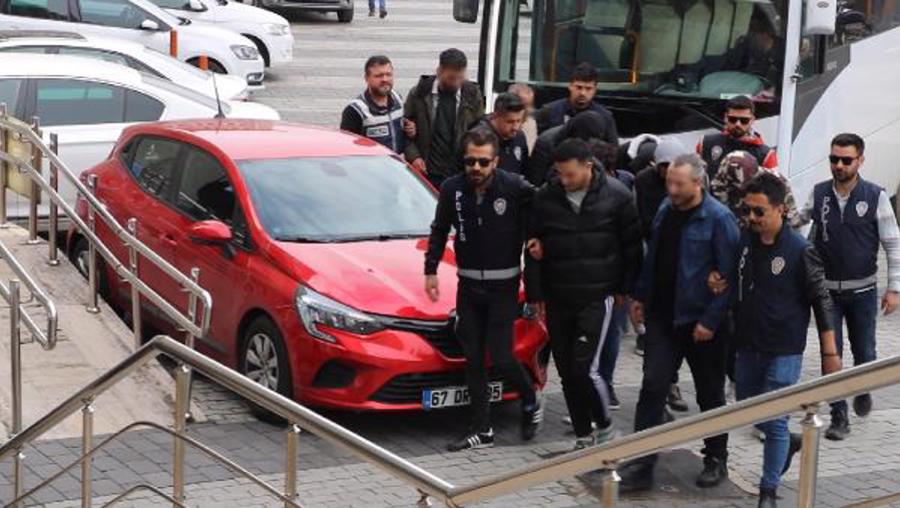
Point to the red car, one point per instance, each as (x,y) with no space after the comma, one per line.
(311,243)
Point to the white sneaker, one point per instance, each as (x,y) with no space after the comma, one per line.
(730,393)
(758,434)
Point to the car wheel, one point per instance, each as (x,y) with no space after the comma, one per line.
(345,16)
(264,360)
(212,65)
(79,256)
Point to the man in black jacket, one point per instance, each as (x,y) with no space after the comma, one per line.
(780,276)
(582,89)
(441,108)
(487,208)
(587,125)
(506,122)
(586,235)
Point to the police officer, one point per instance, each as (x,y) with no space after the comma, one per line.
(506,122)
(378,112)
(850,218)
(740,114)
(487,208)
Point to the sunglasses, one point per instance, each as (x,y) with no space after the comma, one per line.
(834,159)
(482,161)
(743,120)
(757,211)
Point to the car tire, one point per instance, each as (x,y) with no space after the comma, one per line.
(264,360)
(78,256)
(345,16)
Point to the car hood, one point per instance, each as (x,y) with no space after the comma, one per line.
(239,12)
(200,34)
(383,278)
(252,110)
(230,87)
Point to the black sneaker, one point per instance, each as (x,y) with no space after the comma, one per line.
(473,441)
(635,477)
(767,498)
(531,421)
(839,428)
(862,404)
(715,471)
(614,404)
(794,447)
(675,401)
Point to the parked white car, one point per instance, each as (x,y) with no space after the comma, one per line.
(129,54)
(144,23)
(87,103)
(270,32)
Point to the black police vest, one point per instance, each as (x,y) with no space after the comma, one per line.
(385,128)
(848,243)
(717,146)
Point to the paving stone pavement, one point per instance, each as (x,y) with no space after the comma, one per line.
(326,73)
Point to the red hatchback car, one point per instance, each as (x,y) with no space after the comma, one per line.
(311,243)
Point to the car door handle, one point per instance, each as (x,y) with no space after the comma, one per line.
(169,240)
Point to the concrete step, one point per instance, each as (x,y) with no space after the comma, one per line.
(88,345)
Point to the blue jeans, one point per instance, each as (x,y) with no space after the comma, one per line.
(374,3)
(610,353)
(758,373)
(859,310)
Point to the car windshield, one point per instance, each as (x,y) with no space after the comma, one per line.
(185,92)
(338,199)
(713,49)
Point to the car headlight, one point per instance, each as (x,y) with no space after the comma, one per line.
(245,52)
(277,29)
(316,309)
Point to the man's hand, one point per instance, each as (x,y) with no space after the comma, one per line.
(538,310)
(535,248)
(431,287)
(702,334)
(831,364)
(409,128)
(637,313)
(419,165)
(890,302)
(717,284)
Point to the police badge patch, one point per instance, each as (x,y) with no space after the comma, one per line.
(861,208)
(777,265)
(517,151)
(716,153)
(500,206)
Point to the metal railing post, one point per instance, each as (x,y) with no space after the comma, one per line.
(809,458)
(37,157)
(610,487)
(87,437)
(54,208)
(181,402)
(135,291)
(16,370)
(92,306)
(290,464)
(189,337)
(4,146)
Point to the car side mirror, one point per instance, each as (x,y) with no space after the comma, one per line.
(196,5)
(149,25)
(465,11)
(210,232)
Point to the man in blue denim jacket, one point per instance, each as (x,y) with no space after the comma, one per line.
(693,234)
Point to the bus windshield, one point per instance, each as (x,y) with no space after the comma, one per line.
(704,49)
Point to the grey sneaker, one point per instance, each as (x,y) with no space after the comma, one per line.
(605,434)
(583,442)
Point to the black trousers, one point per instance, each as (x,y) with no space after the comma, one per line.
(577,333)
(486,313)
(664,349)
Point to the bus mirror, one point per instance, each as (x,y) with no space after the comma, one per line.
(465,11)
(821,17)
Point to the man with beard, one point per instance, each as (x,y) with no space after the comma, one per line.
(740,113)
(378,112)
(851,217)
(506,122)
(441,108)
(487,209)
(582,89)
(780,277)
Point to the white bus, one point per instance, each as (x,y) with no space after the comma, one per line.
(668,66)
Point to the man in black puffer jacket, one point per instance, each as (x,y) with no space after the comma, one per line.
(586,235)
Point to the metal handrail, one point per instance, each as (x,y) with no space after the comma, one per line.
(806,396)
(96,208)
(47,339)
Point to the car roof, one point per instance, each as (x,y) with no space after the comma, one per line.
(264,139)
(30,65)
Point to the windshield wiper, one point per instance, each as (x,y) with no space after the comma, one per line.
(380,238)
(304,239)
